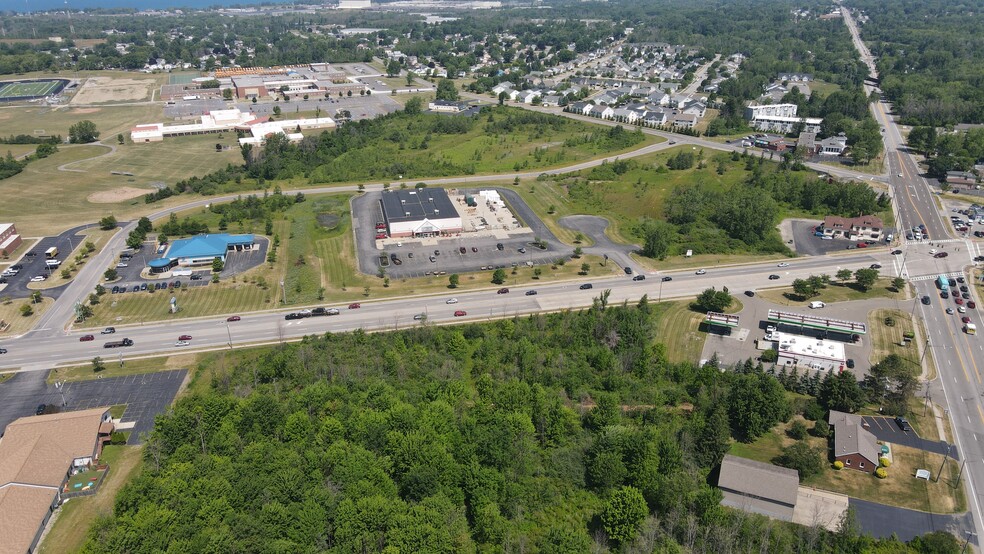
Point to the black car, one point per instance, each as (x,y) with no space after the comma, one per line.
(773,277)
(749,293)
(850,363)
(31,254)
(960,280)
(926,300)
(963,288)
(944,294)
(196,276)
(40,409)
(667,278)
(628,270)
(18,267)
(875,266)
(499,246)
(116,289)
(896,252)
(143,286)
(3,350)
(531,293)
(585,286)
(903,423)
(639,278)
(965,295)
(136,288)
(293,315)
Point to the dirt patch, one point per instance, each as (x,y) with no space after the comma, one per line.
(86,110)
(107,89)
(116,195)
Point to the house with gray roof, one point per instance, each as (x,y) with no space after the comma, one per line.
(854,446)
(758,488)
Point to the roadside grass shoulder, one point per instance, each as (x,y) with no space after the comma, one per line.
(887,339)
(835,292)
(678,327)
(16,323)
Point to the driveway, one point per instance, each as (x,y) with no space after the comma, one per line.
(885,429)
(594,227)
(882,521)
(20,396)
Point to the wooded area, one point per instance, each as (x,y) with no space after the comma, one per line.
(566,432)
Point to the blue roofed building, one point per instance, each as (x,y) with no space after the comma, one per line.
(200,250)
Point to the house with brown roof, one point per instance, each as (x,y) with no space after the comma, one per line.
(854,446)
(758,488)
(853,228)
(37,457)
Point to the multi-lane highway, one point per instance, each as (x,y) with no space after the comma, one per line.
(33,352)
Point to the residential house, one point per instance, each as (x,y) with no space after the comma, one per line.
(551,100)
(833,146)
(684,120)
(504,86)
(660,98)
(527,96)
(608,97)
(854,446)
(447,106)
(796,77)
(695,107)
(603,112)
(758,487)
(853,228)
(624,115)
(962,178)
(807,143)
(654,118)
(578,107)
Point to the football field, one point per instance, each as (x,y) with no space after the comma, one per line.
(17,90)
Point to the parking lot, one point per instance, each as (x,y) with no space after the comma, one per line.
(885,429)
(34,265)
(806,243)
(193,108)
(361,107)
(481,252)
(236,263)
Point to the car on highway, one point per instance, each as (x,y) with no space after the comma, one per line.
(3,350)
(925,300)
(944,295)
(531,293)
(502,291)
(965,319)
(862,245)
(639,278)
(182,343)
(773,277)
(949,311)
(419,317)
(462,249)
(700,272)
(233,318)
(86,338)
(957,299)
(666,278)
(900,174)
(585,286)
(293,315)
(971,304)
(896,252)
(628,270)
(108,331)
(903,423)
(749,293)
(40,409)
(875,266)
(460,313)
(941,255)
(474,249)
(451,301)
(354,306)
(783,264)
(332,311)
(184,337)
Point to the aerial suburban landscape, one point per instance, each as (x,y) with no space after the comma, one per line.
(491,276)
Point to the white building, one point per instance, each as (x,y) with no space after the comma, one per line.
(809,352)
(219,121)
(779,118)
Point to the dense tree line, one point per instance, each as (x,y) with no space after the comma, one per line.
(948,151)
(556,433)
(928,58)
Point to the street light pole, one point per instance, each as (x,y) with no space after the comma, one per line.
(945,458)
(229,332)
(967,542)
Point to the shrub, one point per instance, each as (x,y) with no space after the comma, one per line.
(881,473)
(797,430)
(769,356)
(884,462)
(838,465)
(118,437)
(821,429)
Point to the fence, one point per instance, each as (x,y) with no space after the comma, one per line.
(66,495)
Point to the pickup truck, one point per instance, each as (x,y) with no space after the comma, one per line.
(118,343)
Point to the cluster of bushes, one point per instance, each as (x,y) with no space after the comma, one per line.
(30,139)
(207,185)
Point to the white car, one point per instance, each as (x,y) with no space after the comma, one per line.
(182,343)
(121,264)
(932,251)
(961,309)
(700,272)
(783,264)
(900,174)
(452,301)
(38,278)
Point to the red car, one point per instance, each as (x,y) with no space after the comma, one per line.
(184,337)
(380,235)
(958,300)
(233,318)
(965,319)
(862,245)
(355,306)
(460,313)
(503,291)
(971,304)
(86,338)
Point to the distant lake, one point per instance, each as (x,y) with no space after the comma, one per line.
(40,5)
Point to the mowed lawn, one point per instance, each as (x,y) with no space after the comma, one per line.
(169,161)
(27,89)
(109,120)
(678,327)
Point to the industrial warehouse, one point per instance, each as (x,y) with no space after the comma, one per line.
(419,213)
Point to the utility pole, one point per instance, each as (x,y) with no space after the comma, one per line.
(945,458)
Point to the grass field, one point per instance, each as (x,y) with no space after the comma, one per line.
(901,488)
(886,340)
(13,90)
(678,327)
(835,292)
(10,313)
(70,527)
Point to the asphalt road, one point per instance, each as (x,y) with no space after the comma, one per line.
(884,521)
(31,352)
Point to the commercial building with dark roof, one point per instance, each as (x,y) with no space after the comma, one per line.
(758,488)
(423,212)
